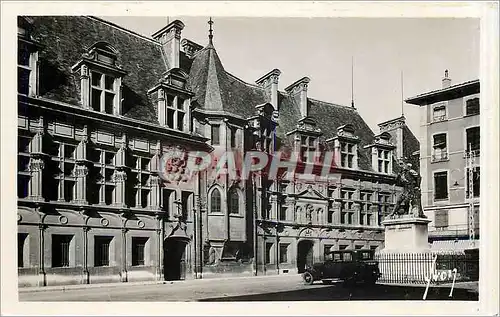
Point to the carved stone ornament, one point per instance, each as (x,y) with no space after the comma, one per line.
(36,165)
(104,222)
(63,220)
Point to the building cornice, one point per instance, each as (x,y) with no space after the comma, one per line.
(125,122)
(452,92)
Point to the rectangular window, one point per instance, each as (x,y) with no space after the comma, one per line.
(347,153)
(439,113)
(475,182)
(21,242)
(373,247)
(441,218)
(343,246)
(269,246)
(440,147)
(138,250)
(473,140)
(23,182)
(283,212)
(68,190)
(215,134)
(283,253)
(61,250)
(108,194)
(233,137)
(327,249)
(101,250)
(358,247)
(24,69)
(441,185)
(472,107)
(307,148)
(383,161)
(102,92)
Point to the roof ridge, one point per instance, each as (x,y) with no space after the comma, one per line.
(242,81)
(121,28)
(331,103)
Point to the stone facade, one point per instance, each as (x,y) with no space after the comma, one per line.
(449,121)
(105,126)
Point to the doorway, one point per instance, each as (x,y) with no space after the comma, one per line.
(305,255)
(175,259)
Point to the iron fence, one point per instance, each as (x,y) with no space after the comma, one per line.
(417,268)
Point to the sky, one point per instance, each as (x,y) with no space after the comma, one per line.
(392,57)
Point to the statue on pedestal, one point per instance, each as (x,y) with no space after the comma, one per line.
(409,202)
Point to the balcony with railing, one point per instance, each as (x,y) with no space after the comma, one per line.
(439,157)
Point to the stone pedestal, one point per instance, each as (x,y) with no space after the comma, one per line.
(406,234)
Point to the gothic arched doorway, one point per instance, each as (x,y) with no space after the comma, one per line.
(304,254)
(175,259)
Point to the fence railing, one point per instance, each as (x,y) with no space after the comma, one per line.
(416,268)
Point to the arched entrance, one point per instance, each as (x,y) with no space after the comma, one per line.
(175,259)
(304,254)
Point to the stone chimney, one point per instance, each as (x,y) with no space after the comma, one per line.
(299,90)
(446,80)
(270,83)
(395,128)
(190,48)
(169,37)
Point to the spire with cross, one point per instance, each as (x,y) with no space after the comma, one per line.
(210,35)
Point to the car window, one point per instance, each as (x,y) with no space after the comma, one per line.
(366,256)
(347,257)
(328,257)
(336,257)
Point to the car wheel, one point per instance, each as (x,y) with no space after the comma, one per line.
(308,278)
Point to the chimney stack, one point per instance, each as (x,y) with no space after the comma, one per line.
(270,83)
(299,90)
(169,38)
(446,80)
(190,48)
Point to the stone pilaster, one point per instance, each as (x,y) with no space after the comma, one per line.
(336,213)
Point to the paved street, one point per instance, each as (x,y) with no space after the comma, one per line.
(271,288)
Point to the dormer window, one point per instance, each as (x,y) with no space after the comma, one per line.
(346,147)
(307,148)
(27,59)
(382,153)
(103,93)
(100,78)
(347,154)
(173,100)
(383,161)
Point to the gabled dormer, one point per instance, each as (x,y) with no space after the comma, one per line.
(306,139)
(173,100)
(382,153)
(27,58)
(345,145)
(101,79)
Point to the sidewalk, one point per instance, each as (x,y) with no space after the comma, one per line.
(470,286)
(143,283)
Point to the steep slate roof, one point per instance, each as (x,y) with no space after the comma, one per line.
(66,38)
(329,117)
(216,89)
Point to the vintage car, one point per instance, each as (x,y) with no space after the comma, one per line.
(348,266)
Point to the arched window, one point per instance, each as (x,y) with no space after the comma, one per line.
(215,201)
(234,201)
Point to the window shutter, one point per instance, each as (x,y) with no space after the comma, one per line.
(441,218)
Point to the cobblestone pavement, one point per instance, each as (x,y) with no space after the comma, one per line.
(268,288)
